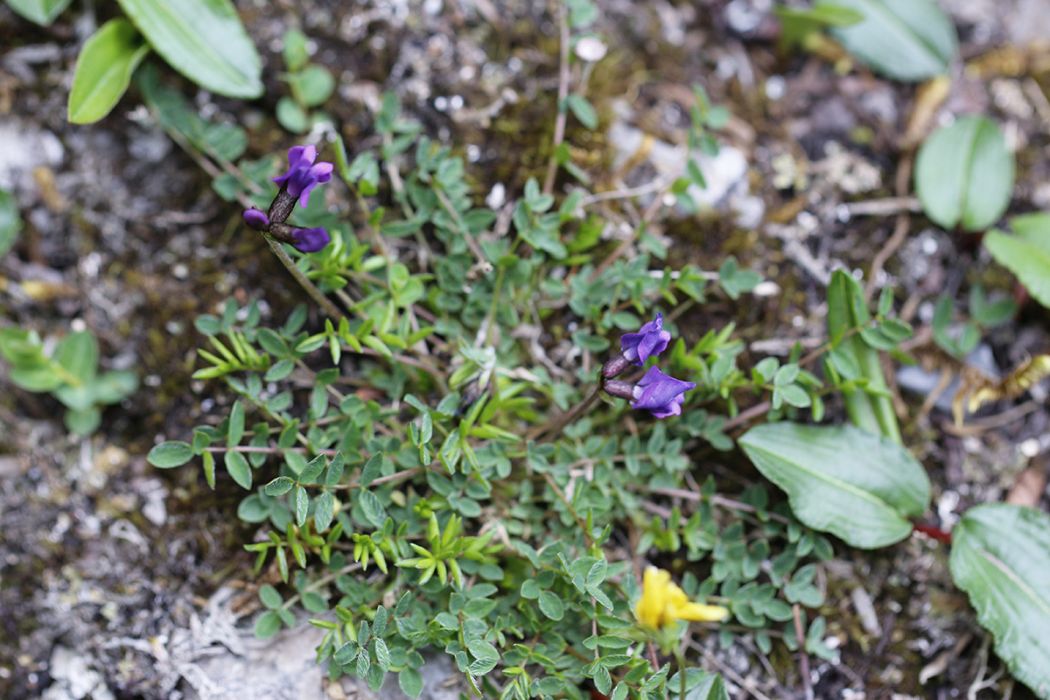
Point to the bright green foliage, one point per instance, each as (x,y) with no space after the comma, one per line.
(43,12)
(69,373)
(202,39)
(1026,253)
(857,486)
(311,86)
(1001,558)
(405,462)
(104,70)
(414,516)
(964,174)
(908,40)
(853,356)
(798,26)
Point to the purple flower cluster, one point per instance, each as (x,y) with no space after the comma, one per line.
(660,394)
(650,340)
(302,176)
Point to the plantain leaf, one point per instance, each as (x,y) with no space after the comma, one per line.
(843,480)
(1001,558)
(202,39)
(964,174)
(103,71)
(906,40)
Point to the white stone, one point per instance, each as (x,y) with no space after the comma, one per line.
(590,49)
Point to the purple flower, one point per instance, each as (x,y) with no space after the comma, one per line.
(256,219)
(651,339)
(660,394)
(303,174)
(310,240)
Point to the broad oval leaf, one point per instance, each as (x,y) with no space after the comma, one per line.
(906,40)
(1001,558)
(964,174)
(551,605)
(324,511)
(1026,254)
(267,625)
(202,39)
(167,455)
(238,468)
(279,486)
(43,12)
(411,682)
(843,480)
(104,69)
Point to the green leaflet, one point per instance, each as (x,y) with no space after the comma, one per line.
(104,70)
(202,39)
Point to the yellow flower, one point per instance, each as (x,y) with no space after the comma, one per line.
(662,603)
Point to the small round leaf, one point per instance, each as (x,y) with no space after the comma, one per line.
(168,455)
(964,174)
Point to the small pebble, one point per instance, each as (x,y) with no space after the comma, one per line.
(590,49)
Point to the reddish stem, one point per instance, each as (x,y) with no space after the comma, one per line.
(934,532)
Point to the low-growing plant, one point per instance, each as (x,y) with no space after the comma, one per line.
(496,436)
(311,86)
(68,370)
(440,462)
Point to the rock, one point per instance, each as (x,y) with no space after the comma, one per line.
(73,678)
(1026,22)
(725,172)
(220,659)
(441,681)
(921,381)
(23,148)
(279,668)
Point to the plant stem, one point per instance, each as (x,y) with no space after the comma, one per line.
(327,578)
(559,423)
(933,532)
(680,661)
(563,94)
(580,522)
(308,286)
(803,658)
(251,449)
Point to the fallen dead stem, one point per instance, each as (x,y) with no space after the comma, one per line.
(900,227)
(999,420)
(803,656)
